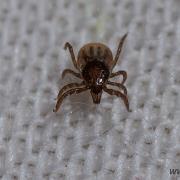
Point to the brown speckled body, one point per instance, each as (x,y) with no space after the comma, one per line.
(94,61)
(94,64)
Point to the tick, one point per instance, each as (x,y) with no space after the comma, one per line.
(94,64)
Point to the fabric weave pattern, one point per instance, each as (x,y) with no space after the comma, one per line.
(84,141)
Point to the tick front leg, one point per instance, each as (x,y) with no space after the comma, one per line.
(69,86)
(119,50)
(123,73)
(65,94)
(119,94)
(121,86)
(69,71)
(71,51)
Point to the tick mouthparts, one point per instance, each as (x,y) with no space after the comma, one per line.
(96,97)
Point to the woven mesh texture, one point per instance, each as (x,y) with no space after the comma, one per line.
(83,141)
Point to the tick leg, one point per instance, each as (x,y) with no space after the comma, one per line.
(119,50)
(121,86)
(119,94)
(69,71)
(123,73)
(69,86)
(65,94)
(69,46)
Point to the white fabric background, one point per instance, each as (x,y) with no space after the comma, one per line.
(84,141)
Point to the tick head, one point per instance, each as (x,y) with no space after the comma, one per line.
(96,85)
(96,96)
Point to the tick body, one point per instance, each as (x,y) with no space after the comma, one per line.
(94,64)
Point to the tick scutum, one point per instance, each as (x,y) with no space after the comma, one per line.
(95,74)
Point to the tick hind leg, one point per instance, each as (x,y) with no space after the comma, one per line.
(123,73)
(71,51)
(119,49)
(69,71)
(119,94)
(64,92)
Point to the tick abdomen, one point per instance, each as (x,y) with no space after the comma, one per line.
(94,52)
